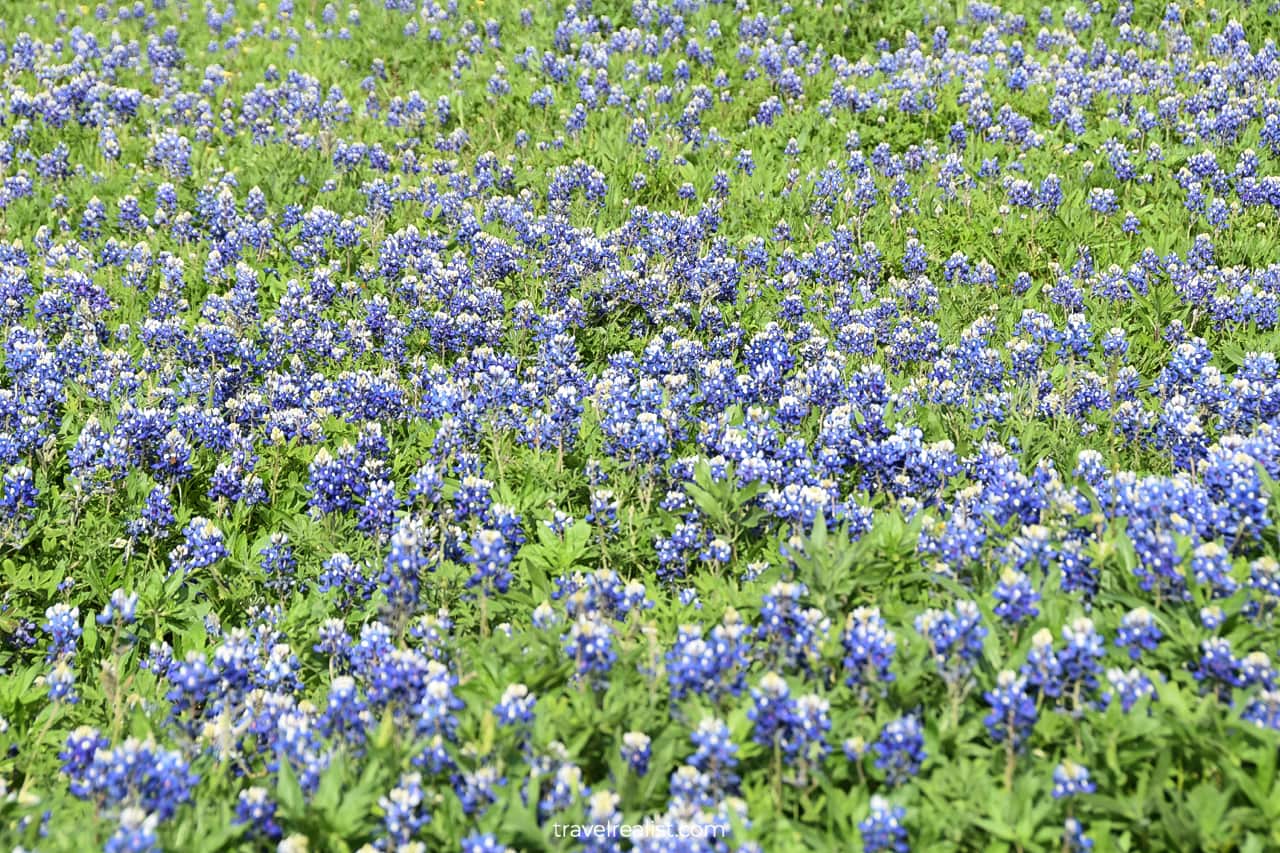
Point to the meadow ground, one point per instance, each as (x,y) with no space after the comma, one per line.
(663,426)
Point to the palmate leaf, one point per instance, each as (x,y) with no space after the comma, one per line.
(212,830)
(727,504)
(520,823)
(288,792)
(346,803)
(835,567)
(552,556)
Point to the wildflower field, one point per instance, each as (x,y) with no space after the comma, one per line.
(656,425)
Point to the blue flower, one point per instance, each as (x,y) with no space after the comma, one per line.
(589,644)
(490,559)
(62,624)
(403,810)
(882,829)
(1138,633)
(121,609)
(1016,598)
(1071,779)
(256,810)
(716,755)
(869,649)
(516,706)
(1013,712)
(1074,839)
(636,752)
(900,750)
(203,545)
(135,834)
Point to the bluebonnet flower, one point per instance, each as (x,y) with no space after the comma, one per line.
(157,517)
(472,499)
(1016,598)
(544,616)
(135,773)
(346,713)
(636,752)
(256,810)
(122,609)
(203,545)
(1264,709)
(349,580)
(716,754)
(1013,711)
(1103,200)
(490,559)
(604,511)
(855,749)
(173,457)
(1049,195)
(600,592)
(1080,660)
(401,577)
(566,788)
(790,635)
(772,709)
(334,640)
(516,706)
(1114,343)
(1264,586)
(714,666)
(62,624)
(1211,618)
(1211,567)
(426,485)
(1129,686)
(478,842)
(1074,839)
(1071,779)
(336,482)
(1138,633)
(376,515)
(191,681)
(135,834)
(717,552)
(603,815)
(559,522)
(61,681)
(882,829)
(900,750)
(869,648)
(403,810)
(955,640)
(18,495)
(796,725)
(1218,666)
(589,644)
(690,787)
(278,563)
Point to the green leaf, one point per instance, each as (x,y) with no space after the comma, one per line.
(89,635)
(289,792)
